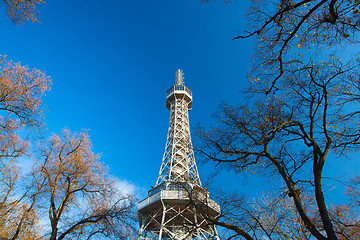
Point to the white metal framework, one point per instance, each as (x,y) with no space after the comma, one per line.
(178,208)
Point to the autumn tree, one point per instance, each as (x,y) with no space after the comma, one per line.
(22,10)
(20,106)
(18,217)
(346,221)
(80,199)
(21,92)
(353,190)
(68,182)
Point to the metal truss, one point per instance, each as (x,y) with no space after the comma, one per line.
(178,208)
(176,222)
(178,164)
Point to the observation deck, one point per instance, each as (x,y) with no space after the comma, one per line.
(178,92)
(179,194)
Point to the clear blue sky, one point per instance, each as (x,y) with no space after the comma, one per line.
(112,61)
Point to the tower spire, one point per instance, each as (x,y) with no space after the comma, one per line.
(179,77)
(170,211)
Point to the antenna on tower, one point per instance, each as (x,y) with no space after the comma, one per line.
(179,77)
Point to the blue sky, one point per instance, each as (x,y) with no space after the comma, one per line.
(112,62)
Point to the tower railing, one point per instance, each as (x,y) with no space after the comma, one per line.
(178,195)
(178,88)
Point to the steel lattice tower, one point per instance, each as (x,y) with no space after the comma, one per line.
(178,207)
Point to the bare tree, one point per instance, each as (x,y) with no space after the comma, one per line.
(81,199)
(302,107)
(274,216)
(266,217)
(291,134)
(285,29)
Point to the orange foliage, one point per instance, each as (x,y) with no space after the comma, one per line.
(22,10)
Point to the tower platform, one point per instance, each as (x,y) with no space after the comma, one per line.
(179,194)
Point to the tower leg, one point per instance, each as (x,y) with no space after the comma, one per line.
(196,222)
(162,221)
(216,236)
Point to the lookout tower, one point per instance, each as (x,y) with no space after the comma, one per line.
(178,208)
